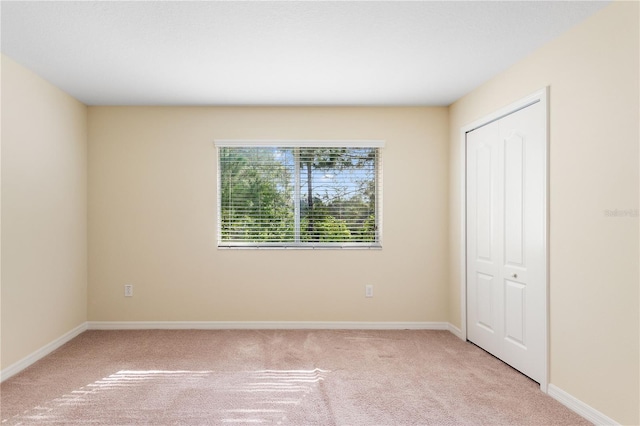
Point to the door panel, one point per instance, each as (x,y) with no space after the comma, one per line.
(515,301)
(485,301)
(513,200)
(483,243)
(483,202)
(506,253)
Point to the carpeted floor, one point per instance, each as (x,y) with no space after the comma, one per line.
(292,377)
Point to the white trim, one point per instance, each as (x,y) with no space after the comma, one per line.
(264,325)
(356,143)
(541,96)
(25,362)
(299,246)
(574,404)
(538,96)
(456,331)
(297,145)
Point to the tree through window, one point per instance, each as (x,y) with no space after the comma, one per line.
(296,195)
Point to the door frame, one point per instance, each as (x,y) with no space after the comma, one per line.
(541,96)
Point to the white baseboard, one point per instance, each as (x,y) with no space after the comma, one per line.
(456,331)
(264,325)
(573,403)
(17,367)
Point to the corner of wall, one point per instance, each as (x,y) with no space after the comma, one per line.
(43,211)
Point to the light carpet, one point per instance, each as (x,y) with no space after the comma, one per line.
(287,377)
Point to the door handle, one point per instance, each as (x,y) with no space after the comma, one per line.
(515,275)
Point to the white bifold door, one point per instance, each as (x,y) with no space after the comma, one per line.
(506,239)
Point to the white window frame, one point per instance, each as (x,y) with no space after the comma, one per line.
(298,143)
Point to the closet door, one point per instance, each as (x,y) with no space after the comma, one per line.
(506,255)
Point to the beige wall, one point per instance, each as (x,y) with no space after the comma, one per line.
(152,220)
(593,76)
(44,206)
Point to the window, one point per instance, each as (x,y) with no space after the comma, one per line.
(299,194)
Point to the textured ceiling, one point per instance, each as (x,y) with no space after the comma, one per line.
(278,53)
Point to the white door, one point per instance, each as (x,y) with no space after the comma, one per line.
(506,239)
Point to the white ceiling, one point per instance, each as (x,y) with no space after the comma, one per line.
(278,53)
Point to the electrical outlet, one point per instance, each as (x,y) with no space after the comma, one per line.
(368,290)
(128,290)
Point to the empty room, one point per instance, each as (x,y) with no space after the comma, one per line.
(320,213)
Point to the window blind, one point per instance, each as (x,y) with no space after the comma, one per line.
(299,195)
